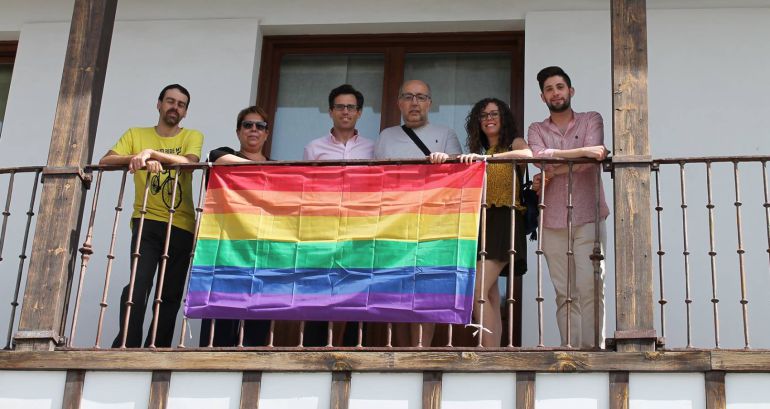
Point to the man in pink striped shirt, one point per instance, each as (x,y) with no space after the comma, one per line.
(568,134)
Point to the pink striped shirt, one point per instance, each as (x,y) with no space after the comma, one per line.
(544,138)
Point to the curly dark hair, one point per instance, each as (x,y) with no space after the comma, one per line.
(477,140)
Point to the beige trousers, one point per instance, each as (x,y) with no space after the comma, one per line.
(582,282)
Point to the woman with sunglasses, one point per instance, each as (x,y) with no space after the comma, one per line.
(492,134)
(251,128)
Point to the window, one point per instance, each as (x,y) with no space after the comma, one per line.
(299,71)
(7,56)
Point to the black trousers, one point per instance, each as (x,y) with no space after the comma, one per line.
(150,252)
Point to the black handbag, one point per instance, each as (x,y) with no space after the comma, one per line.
(530,200)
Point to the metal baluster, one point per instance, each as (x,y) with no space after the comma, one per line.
(110,258)
(685,251)
(482,258)
(360,343)
(419,335)
(271,334)
(301,334)
(212,328)
(661,253)
(510,300)
(198,214)
(596,262)
(22,257)
(135,261)
(85,256)
(712,256)
(766,205)
(570,255)
(741,252)
(164,260)
(241,331)
(6,212)
(539,252)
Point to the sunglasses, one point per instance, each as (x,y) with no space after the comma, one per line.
(261,125)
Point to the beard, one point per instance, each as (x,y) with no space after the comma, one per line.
(561,107)
(170,120)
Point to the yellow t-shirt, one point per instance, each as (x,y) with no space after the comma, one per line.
(500,182)
(187,142)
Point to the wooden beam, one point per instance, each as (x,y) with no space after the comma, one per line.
(525,390)
(740,361)
(340,398)
(431,390)
(376,361)
(619,390)
(715,390)
(250,388)
(633,252)
(73,389)
(161,380)
(42,318)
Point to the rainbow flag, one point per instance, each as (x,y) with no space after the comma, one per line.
(392,243)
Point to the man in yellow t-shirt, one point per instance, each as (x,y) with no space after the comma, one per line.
(151,148)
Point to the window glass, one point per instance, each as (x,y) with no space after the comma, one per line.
(5,84)
(459,80)
(302,113)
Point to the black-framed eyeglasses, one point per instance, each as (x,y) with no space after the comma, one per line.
(489,115)
(261,125)
(409,97)
(342,107)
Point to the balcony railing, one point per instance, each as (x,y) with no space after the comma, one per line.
(734,219)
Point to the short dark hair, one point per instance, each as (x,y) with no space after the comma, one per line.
(181,89)
(477,140)
(346,89)
(549,72)
(251,110)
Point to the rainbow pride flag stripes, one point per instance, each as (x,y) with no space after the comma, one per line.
(393,243)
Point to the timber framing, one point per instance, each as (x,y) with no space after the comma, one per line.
(388,361)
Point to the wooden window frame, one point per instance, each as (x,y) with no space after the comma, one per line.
(394,48)
(8,51)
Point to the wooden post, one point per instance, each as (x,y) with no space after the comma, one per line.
(61,204)
(633,261)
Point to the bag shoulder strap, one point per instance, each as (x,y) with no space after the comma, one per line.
(413,136)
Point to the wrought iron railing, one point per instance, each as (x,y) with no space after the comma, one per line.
(103,239)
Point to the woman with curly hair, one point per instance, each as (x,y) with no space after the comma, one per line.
(492,134)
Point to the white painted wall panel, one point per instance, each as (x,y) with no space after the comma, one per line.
(214,59)
(478,391)
(116,390)
(574,391)
(667,391)
(747,390)
(295,390)
(386,391)
(31,389)
(205,390)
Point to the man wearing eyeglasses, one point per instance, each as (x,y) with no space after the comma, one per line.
(343,141)
(438,141)
(427,140)
(149,150)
